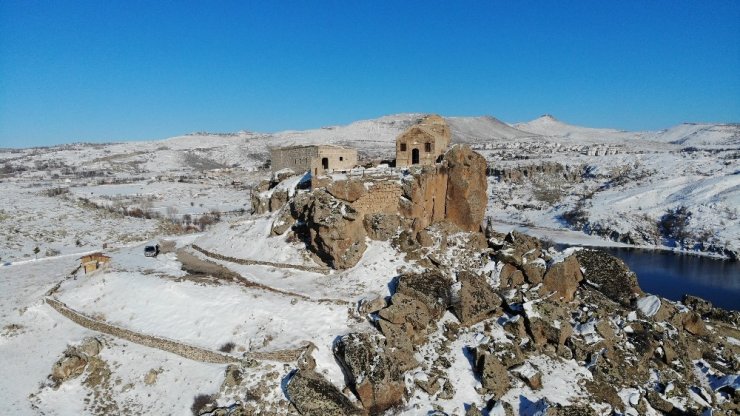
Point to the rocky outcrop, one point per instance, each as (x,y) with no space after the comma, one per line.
(349,190)
(609,275)
(494,376)
(467,187)
(424,196)
(375,373)
(336,233)
(380,226)
(74,360)
(518,174)
(313,395)
(432,288)
(337,215)
(69,366)
(562,278)
(475,300)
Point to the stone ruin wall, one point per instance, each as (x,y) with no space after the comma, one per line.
(349,157)
(382,197)
(297,158)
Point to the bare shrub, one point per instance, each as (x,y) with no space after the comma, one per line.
(228,347)
(56,191)
(576,217)
(199,402)
(548,188)
(674,223)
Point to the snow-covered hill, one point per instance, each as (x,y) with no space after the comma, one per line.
(548,125)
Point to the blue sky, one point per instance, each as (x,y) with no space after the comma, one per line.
(133,70)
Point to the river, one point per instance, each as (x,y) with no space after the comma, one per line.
(672,275)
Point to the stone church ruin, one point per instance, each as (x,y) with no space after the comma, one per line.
(316,159)
(423,143)
(448,189)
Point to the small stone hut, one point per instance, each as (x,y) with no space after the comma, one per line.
(423,143)
(316,159)
(94,261)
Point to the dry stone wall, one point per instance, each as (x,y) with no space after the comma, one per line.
(248,262)
(188,351)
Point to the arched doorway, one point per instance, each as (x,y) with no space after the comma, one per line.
(415,157)
(325,163)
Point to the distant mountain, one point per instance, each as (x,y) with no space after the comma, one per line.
(548,125)
(482,129)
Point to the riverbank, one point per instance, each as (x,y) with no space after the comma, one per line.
(565,237)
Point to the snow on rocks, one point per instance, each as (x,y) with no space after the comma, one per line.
(648,305)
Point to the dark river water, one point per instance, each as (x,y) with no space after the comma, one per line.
(672,275)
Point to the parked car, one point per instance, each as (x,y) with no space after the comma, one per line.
(151,251)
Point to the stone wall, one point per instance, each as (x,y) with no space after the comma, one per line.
(309,158)
(339,158)
(298,158)
(382,197)
(188,351)
(249,262)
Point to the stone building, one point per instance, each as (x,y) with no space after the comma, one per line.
(94,261)
(316,159)
(423,143)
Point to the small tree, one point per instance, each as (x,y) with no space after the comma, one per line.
(674,224)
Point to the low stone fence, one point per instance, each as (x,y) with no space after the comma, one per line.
(248,262)
(188,351)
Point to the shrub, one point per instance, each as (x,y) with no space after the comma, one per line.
(577,217)
(674,223)
(199,402)
(548,189)
(228,347)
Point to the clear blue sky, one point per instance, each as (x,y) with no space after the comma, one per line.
(130,70)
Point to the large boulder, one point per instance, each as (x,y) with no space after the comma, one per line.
(510,277)
(283,221)
(405,309)
(260,203)
(373,370)
(475,300)
(336,233)
(563,278)
(71,365)
(349,190)
(75,359)
(313,395)
(431,287)
(494,376)
(609,275)
(380,226)
(278,199)
(467,186)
